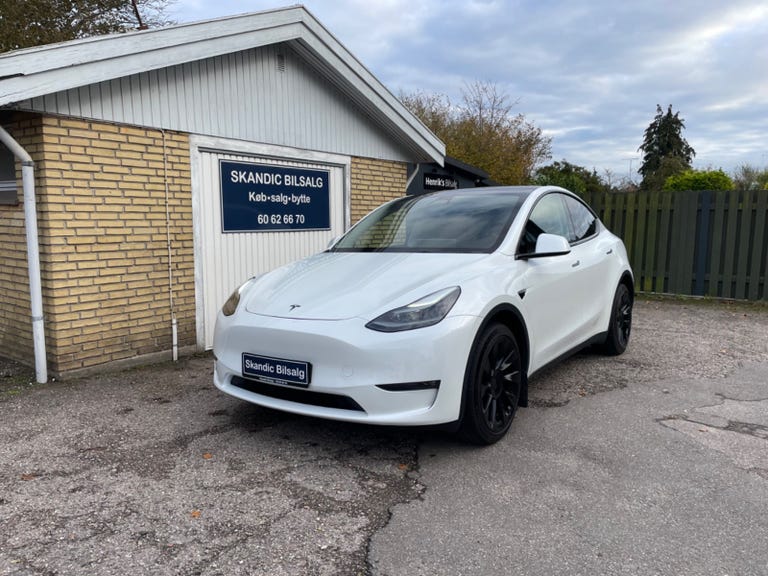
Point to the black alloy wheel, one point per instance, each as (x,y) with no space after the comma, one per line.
(620,327)
(493,386)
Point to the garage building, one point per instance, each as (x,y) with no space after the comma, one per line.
(153,152)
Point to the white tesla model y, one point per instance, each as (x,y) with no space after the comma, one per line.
(433,309)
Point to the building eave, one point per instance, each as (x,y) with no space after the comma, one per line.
(42,70)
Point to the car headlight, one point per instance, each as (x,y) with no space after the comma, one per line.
(231,304)
(423,312)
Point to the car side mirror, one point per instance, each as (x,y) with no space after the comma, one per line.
(548,245)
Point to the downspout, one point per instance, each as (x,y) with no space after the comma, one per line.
(411,178)
(174,327)
(33,252)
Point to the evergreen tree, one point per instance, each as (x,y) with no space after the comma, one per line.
(665,151)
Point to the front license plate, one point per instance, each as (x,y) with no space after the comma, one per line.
(277,370)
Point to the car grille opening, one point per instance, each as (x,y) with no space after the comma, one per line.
(408,386)
(298,395)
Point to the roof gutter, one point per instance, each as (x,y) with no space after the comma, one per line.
(33,252)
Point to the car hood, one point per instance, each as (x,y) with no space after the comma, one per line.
(341,285)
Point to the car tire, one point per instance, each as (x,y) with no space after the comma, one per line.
(492,386)
(620,326)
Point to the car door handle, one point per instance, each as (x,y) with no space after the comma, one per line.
(575,264)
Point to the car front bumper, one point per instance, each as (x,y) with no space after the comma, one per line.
(350,361)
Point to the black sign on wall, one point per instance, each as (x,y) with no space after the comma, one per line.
(440,182)
(269,198)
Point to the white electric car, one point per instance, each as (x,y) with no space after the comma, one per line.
(433,309)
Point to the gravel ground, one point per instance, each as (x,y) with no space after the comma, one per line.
(153,471)
(671,339)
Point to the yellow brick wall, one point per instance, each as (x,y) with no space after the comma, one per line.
(104,257)
(15,321)
(373,183)
(107,251)
(104,251)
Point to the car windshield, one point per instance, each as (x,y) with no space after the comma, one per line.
(469,220)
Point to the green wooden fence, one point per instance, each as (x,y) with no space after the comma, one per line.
(701,243)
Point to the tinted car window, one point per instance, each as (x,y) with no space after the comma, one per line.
(548,216)
(454,221)
(584,222)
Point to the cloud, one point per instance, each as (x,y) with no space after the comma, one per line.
(589,73)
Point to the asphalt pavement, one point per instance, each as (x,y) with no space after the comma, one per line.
(658,465)
(655,462)
(665,477)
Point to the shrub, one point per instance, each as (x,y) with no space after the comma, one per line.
(699,180)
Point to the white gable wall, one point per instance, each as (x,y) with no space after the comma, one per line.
(244,96)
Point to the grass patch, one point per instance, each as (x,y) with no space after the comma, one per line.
(14,378)
(11,386)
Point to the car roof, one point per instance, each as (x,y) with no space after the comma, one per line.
(520,191)
(515,190)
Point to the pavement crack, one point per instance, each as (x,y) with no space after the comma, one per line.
(545,403)
(416,492)
(756,430)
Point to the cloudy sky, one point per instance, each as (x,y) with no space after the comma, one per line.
(588,73)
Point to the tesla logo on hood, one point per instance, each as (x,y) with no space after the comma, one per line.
(293,307)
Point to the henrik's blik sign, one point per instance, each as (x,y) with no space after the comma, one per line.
(268,198)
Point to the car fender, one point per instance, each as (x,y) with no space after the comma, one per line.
(504,312)
(622,273)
